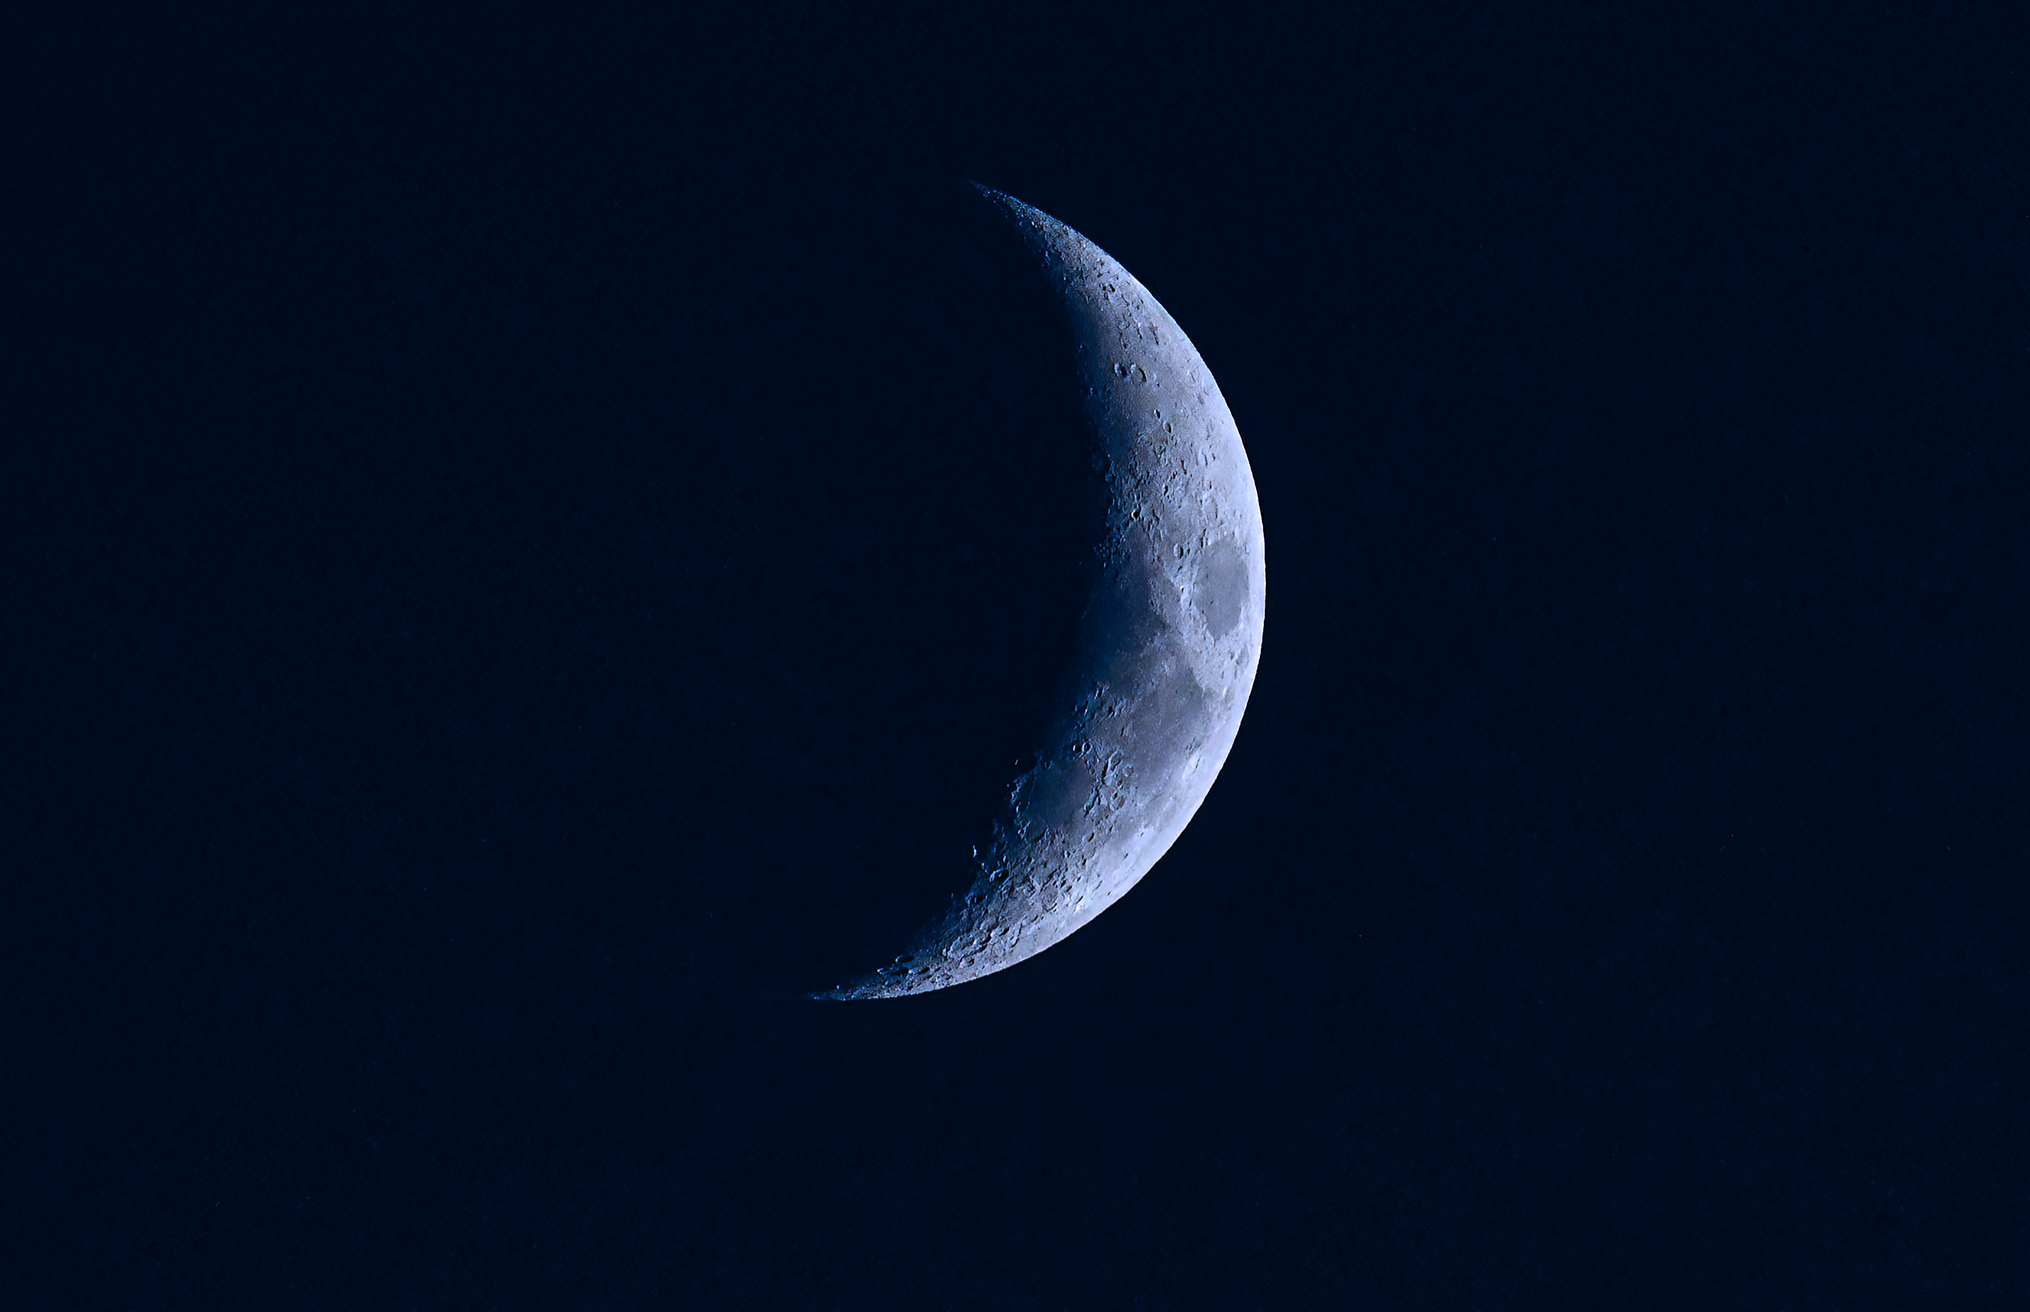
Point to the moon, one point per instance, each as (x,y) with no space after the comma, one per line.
(1167,649)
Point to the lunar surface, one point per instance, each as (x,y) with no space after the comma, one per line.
(1168,643)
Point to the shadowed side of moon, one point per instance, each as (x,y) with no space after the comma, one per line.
(1168,644)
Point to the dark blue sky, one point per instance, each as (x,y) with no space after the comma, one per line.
(539,538)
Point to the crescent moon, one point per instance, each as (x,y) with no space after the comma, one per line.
(1168,644)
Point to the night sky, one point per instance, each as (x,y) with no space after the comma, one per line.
(536,540)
